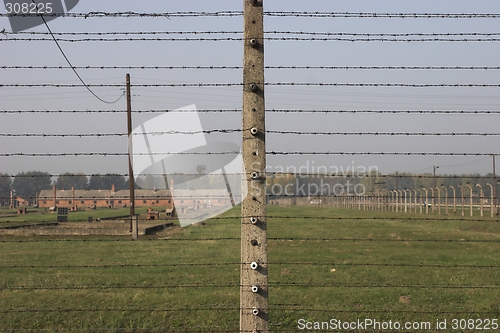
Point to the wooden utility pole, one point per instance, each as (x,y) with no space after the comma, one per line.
(130,153)
(435,185)
(397,181)
(254,308)
(495,199)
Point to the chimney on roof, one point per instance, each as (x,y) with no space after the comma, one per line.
(113,189)
(54,194)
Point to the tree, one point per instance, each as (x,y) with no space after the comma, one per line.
(68,180)
(28,184)
(106,181)
(5,187)
(201,169)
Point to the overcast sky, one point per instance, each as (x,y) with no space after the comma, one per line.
(277,53)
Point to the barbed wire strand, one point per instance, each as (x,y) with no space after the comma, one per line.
(474,68)
(229,307)
(229,13)
(320,14)
(308,217)
(271,84)
(321,218)
(311,285)
(311,239)
(347,174)
(324,111)
(231,131)
(236,32)
(164,329)
(292,263)
(275,153)
(238,39)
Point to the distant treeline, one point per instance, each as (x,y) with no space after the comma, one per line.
(28,184)
(330,184)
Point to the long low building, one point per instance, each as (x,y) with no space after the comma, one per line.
(186,200)
(75,199)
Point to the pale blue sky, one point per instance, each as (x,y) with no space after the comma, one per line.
(230,53)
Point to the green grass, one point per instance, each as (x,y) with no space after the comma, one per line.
(356,265)
(39,215)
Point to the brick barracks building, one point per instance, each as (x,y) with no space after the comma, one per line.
(75,199)
(84,199)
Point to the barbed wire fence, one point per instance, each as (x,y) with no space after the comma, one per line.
(293,279)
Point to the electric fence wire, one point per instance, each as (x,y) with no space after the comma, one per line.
(277,174)
(230,131)
(275,32)
(271,84)
(472,68)
(233,39)
(328,218)
(233,13)
(271,153)
(293,111)
(237,285)
(291,239)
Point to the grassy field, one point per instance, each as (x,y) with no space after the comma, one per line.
(323,264)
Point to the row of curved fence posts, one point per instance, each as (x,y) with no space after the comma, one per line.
(438,200)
